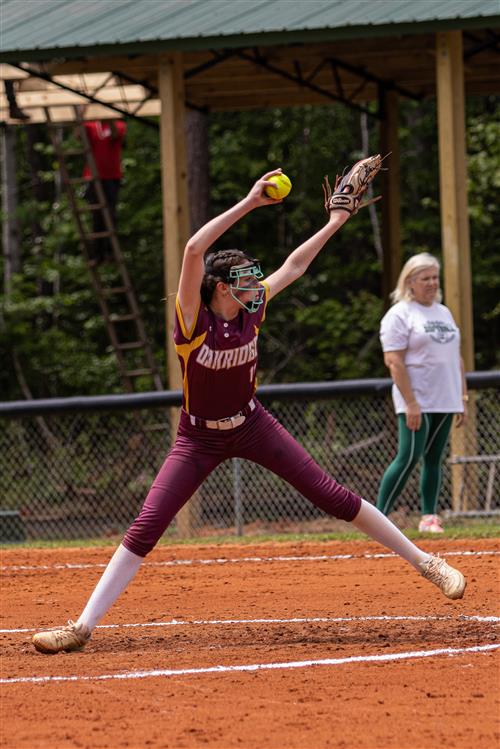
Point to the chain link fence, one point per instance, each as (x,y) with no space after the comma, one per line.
(81,468)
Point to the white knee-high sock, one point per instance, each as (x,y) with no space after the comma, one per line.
(121,569)
(375,524)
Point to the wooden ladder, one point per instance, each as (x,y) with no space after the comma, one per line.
(114,291)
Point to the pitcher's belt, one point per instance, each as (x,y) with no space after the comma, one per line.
(229,422)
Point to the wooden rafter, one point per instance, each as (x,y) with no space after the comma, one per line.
(228,79)
(104,92)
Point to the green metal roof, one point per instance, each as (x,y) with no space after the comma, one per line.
(37,29)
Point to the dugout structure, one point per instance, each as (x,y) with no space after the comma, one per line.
(161,59)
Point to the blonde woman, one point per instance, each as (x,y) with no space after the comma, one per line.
(421,345)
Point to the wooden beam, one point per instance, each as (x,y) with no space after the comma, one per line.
(455,227)
(391,209)
(66,115)
(175,225)
(453,186)
(119,95)
(174,191)
(10,73)
(134,65)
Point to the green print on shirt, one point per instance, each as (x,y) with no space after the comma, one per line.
(441,332)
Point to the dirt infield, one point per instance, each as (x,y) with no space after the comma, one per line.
(275,646)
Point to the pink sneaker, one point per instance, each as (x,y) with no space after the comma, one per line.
(430,524)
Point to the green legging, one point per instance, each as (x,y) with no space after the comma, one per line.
(428,442)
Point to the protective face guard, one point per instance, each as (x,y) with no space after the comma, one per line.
(238,272)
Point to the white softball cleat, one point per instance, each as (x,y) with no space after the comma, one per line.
(451,581)
(71,637)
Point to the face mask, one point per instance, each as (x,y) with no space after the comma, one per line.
(239,272)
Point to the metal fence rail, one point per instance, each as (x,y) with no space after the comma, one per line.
(81,467)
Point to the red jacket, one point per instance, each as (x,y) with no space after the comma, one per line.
(106,148)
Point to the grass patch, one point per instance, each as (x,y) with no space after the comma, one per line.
(470,530)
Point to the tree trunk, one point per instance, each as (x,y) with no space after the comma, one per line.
(365,145)
(198,168)
(10,229)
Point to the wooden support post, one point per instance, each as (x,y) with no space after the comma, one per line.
(175,223)
(391,223)
(455,230)
(174,193)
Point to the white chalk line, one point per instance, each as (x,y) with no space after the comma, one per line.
(294,620)
(386,657)
(234,560)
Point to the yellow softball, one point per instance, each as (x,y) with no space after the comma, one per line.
(283,187)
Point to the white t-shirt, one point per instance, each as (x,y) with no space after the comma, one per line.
(432,343)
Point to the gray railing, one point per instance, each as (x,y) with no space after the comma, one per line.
(81,467)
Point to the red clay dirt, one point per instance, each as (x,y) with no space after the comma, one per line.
(426,702)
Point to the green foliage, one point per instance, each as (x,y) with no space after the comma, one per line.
(459,532)
(484,188)
(52,323)
(345,347)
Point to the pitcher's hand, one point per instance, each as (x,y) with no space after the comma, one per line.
(257,196)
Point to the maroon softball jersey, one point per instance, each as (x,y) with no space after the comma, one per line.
(218,360)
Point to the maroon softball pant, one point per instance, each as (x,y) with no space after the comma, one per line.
(198,450)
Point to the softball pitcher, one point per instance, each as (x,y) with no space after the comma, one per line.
(221,305)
